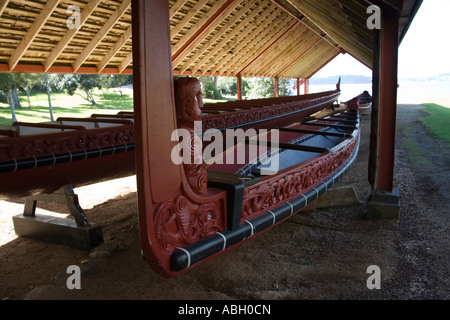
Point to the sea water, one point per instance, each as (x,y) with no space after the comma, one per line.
(408,91)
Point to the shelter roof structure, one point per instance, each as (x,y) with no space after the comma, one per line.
(271,38)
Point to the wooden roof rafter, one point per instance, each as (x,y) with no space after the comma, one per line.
(230,45)
(209,37)
(91,6)
(125,5)
(32,33)
(229,24)
(256,41)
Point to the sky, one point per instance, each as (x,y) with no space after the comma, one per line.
(424,51)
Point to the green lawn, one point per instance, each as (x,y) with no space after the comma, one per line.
(438,120)
(64,105)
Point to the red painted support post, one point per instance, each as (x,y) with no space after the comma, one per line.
(298,86)
(388,99)
(306,85)
(154,109)
(239,86)
(275,89)
(384,200)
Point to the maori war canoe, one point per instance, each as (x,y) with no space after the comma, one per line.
(219,204)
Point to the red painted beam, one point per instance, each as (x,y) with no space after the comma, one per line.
(239,86)
(275,87)
(270,46)
(388,100)
(202,28)
(306,85)
(4,67)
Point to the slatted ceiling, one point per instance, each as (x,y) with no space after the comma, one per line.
(284,38)
(283,53)
(255,42)
(329,17)
(320,52)
(207,46)
(238,40)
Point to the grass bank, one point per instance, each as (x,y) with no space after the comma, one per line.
(64,105)
(437,121)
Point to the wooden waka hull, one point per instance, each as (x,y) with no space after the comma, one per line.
(362,103)
(219,205)
(42,163)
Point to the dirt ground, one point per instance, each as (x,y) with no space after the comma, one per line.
(322,254)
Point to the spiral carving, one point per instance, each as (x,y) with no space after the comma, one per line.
(181,222)
(270,193)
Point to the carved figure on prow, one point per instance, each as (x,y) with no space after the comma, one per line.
(188,102)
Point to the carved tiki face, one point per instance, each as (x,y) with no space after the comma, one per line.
(188,98)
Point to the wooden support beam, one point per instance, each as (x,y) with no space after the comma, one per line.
(306,85)
(289,8)
(254,41)
(216,50)
(116,48)
(70,33)
(301,53)
(298,86)
(3,5)
(37,25)
(125,5)
(275,87)
(204,30)
(342,34)
(323,65)
(196,31)
(176,6)
(271,44)
(32,68)
(212,40)
(239,86)
(155,120)
(126,62)
(189,15)
(388,99)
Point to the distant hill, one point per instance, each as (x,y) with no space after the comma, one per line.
(345,79)
(439,77)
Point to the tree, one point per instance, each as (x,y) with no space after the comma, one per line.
(209,89)
(265,87)
(284,87)
(261,88)
(50,82)
(227,85)
(117,81)
(6,81)
(27,81)
(82,85)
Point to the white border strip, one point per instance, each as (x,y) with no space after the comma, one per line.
(274,217)
(188,255)
(250,226)
(292,208)
(224,240)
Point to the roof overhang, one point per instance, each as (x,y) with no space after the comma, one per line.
(271,38)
